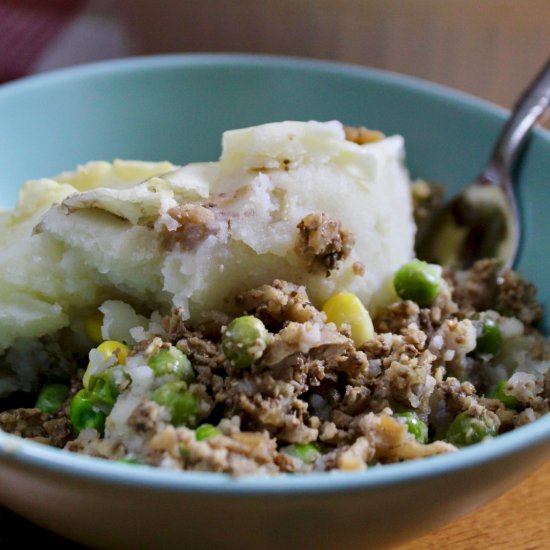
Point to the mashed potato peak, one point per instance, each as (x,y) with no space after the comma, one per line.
(292,200)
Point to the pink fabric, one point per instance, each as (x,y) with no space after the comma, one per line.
(26,29)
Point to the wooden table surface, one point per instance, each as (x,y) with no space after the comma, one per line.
(519,520)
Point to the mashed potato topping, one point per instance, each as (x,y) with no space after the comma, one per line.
(158,236)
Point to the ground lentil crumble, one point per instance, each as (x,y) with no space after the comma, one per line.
(313,400)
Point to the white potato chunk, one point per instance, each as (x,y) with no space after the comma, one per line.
(156,236)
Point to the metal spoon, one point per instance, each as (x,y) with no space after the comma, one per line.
(483,221)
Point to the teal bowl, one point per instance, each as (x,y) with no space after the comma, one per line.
(175,108)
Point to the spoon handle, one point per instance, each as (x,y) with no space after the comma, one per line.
(528,110)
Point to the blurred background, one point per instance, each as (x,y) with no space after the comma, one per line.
(490,48)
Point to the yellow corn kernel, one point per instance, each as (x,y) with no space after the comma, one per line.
(346,308)
(93,327)
(108,348)
(350,463)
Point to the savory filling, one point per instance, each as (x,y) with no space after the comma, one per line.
(284,387)
(358,356)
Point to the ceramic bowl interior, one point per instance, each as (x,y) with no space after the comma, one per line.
(175,108)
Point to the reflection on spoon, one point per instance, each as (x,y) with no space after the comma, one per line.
(479,223)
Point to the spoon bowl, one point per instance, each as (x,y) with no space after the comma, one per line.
(480,222)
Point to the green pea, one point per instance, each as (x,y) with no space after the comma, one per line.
(51,398)
(128,461)
(184,406)
(415,426)
(84,414)
(172,361)
(509,401)
(206,431)
(306,452)
(489,339)
(467,430)
(244,341)
(105,387)
(418,281)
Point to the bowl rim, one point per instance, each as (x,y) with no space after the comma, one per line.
(16,452)
(147,63)
(32,456)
